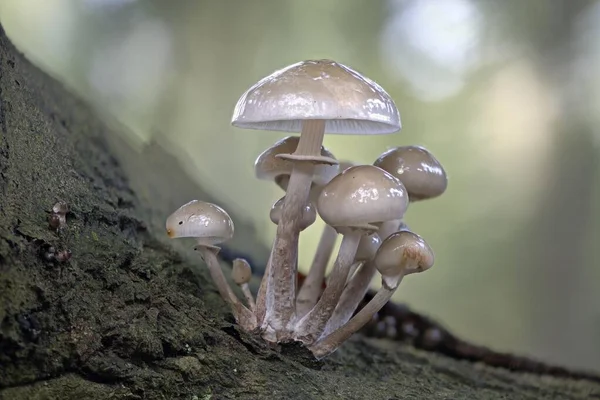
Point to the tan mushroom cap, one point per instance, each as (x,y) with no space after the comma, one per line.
(309,214)
(362,197)
(241,271)
(272,168)
(367,247)
(317,89)
(207,222)
(403,253)
(420,172)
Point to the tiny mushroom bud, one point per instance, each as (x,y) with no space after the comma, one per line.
(309,214)
(241,274)
(241,271)
(58,217)
(355,202)
(312,97)
(210,225)
(401,254)
(420,172)
(60,208)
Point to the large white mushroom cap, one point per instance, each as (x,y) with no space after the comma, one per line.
(317,89)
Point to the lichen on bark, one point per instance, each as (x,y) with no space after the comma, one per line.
(132,315)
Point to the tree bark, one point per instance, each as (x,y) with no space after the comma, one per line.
(131,314)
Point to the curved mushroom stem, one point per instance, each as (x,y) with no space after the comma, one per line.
(313,283)
(309,328)
(331,342)
(283,274)
(351,297)
(242,315)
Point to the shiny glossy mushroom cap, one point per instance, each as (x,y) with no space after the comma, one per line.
(272,168)
(207,222)
(317,89)
(241,271)
(361,198)
(309,214)
(420,172)
(403,253)
(367,247)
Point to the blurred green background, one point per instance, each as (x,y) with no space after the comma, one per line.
(505,93)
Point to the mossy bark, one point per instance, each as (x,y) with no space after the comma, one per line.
(131,316)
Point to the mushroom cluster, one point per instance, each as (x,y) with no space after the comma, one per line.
(365,204)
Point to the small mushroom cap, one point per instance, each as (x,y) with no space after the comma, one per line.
(361,197)
(207,222)
(60,208)
(241,271)
(309,214)
(269,167)
(317,89)
(403,253)
(367,247)
(420,172)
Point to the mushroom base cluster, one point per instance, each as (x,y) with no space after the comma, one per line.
(364,204)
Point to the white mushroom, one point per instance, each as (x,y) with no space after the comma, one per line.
(210,225)
(311,97)
(420,172)
(353,203)
(401,254)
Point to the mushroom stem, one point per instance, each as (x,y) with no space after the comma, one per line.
(353,268)
(261,296)
(331,342)
(285,248)
(310,327)
(311,138)
(313,284)
(351,297)
(248,295)
(242,315)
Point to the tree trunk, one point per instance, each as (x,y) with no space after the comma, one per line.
(131,314)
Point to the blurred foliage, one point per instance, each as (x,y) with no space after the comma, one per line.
(505,94)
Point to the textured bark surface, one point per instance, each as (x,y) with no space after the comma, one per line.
(132,315)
